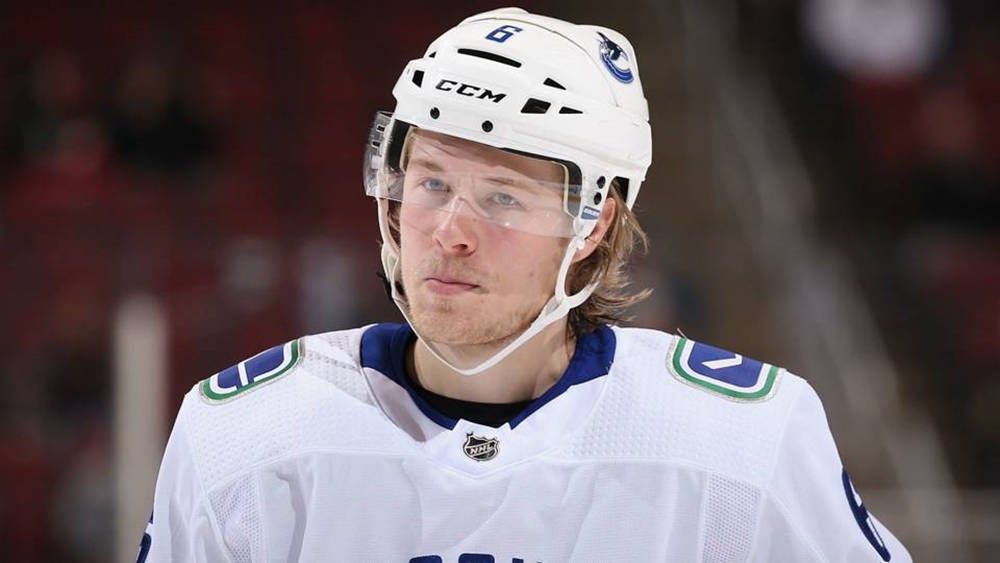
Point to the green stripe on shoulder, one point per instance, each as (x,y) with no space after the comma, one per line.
(252,373)
(721,372)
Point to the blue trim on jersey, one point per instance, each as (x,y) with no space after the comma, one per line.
(383,348)
(591,359)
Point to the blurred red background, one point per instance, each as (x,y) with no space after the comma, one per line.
(209,155)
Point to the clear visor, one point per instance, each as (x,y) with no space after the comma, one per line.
(441,175)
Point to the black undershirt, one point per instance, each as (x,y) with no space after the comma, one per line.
(487,414)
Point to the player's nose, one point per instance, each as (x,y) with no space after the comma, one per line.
(455,230)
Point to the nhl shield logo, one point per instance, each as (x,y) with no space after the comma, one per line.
(480,448)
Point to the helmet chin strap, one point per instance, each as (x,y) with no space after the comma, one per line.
(557,307)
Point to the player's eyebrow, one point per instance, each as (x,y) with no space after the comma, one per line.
(425,163)
(537,186)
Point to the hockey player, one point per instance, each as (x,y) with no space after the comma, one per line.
(507,420)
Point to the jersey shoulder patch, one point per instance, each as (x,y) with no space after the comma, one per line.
(251,373)
(720,372)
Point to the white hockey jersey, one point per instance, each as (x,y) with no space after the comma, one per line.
(651,447)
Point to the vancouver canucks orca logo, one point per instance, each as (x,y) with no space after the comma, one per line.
(615,59)
(480,448)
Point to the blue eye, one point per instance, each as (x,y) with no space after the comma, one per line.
(505,200)
(434,185)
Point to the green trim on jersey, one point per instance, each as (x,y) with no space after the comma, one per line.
(761,391)
(212,392)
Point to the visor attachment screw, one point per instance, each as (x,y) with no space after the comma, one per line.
(487,126)
(435,112)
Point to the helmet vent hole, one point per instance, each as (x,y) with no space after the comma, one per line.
(432,55)
(554,84)
(597,198)
(487,126)
(534,105)
(435,113)
(490,57)
(565,110)
(418,77)
(600,182)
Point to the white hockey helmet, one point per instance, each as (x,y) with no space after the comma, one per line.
(534,86)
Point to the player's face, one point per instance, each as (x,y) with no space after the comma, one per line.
(469,278)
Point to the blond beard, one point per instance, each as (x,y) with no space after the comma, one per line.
(444,321)
(446,325)
(465,322)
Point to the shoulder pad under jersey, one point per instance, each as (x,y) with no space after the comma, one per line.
(252,373)
(722,373)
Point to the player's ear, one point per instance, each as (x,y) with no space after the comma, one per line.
(599,232)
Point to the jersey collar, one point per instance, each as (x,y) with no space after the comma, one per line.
(383,349)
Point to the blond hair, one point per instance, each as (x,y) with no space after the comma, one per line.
(608,266)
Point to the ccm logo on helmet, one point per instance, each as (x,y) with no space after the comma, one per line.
(469,90)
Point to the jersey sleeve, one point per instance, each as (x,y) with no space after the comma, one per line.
(182,526)
(812,512)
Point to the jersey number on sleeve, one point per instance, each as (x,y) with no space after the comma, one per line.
(864,520)
(147,541)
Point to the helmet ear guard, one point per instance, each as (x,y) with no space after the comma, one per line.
(531,86)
